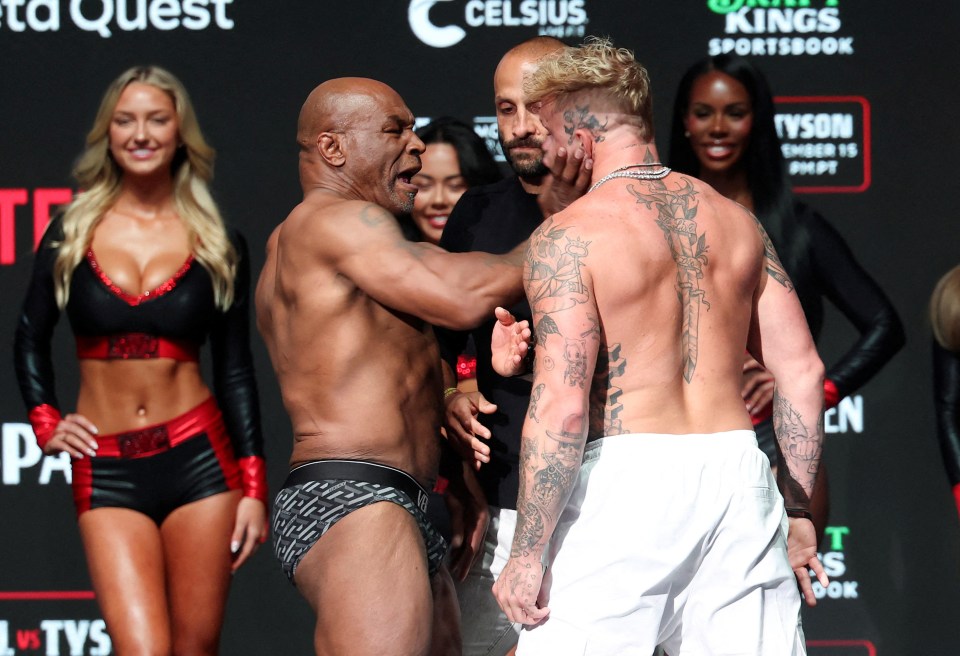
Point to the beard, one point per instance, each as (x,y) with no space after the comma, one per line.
(524,165)
(405,201)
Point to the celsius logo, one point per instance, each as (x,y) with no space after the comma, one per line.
(558,18)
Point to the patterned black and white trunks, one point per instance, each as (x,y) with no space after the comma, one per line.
(316,495)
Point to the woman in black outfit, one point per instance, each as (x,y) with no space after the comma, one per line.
(168,478)
(724,133)
(945,318)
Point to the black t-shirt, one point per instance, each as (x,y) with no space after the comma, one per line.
(494,219)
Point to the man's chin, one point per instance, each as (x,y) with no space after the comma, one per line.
(529,168)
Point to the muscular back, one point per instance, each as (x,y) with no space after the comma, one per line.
(358,379)
(668,271)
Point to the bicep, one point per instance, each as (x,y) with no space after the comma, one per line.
(410,277)
(565,317)
(779,333)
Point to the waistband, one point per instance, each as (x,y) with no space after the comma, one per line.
(359,470)
(135,346)
(697,444)
(151,440)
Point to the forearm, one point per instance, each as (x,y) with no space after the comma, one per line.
(550,457)
(798,413)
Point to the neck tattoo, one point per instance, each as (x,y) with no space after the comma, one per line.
(624,172)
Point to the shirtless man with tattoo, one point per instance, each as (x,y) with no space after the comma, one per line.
(345,304)
(643,495)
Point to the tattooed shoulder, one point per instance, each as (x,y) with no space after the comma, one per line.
(773,266)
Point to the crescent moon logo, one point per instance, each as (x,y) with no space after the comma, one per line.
(439,37)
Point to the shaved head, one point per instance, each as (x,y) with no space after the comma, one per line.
(533,49)
(337,104)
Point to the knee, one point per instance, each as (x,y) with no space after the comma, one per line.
(196,645)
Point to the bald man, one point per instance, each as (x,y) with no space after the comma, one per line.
(486,427)
(345,304)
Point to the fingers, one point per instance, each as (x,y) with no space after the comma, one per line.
(818,570)
(759,397)
(75,435)
(504,316)
(249,531)
(806,587)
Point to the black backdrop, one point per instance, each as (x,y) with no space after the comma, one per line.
(868,97)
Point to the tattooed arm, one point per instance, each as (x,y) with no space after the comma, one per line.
(555,431)
(781,340)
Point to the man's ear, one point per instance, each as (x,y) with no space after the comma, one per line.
(584,139)
(330,147)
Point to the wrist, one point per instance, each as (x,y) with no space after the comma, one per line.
(831,395)
(799,513)
(253,477)
(44,419)
(956,496)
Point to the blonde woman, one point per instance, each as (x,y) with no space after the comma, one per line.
(945,318)
(170,493)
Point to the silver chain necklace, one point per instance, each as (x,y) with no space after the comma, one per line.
(624,172)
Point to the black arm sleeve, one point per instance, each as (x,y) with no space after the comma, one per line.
(946,401)
(234,380)
(851,289)
(38,318)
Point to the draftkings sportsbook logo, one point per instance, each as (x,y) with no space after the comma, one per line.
(780,27)
(441,25)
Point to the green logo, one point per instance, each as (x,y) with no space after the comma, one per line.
(727,6)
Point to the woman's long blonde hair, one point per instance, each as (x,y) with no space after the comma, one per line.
(945,310)
(192,169)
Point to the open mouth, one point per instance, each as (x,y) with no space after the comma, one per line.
(437,222)
(719,151)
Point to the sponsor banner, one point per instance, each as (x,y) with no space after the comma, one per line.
(485,127)
(841,648)
(786,28)
(842,586)
(22,461)
(826,142)
(16,205)
(108,17)
(846,417)
(52,623)
(445,23)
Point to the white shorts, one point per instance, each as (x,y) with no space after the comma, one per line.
(677,540)
(485,629)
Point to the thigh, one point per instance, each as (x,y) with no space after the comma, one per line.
(367,581)
(445,639)
(196,545)
(126,561)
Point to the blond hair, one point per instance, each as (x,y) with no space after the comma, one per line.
(945,310)
(99,176)
(610,75)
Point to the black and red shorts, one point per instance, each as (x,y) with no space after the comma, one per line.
(158,468)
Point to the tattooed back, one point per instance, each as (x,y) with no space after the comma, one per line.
(668,271)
